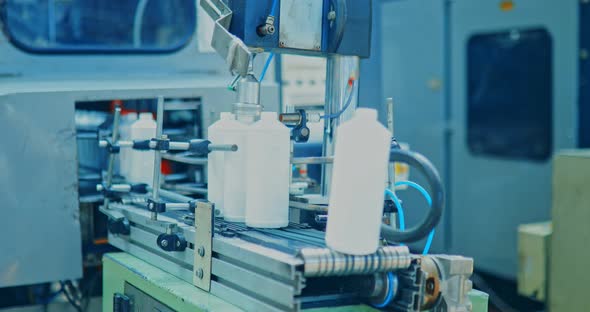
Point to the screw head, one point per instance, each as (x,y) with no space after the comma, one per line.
(281,44)
(201,251)
(332,15)
(164,243)
(199,273)
(178,244)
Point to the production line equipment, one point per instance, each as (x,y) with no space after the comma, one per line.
(245,243)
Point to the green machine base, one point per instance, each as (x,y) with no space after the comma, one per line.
(152,289)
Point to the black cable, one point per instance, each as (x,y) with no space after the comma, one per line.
(422,230)
(496,300)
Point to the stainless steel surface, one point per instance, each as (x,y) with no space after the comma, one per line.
(455,284)
(312,160)
(339,71)
(112,156)
(233,50)
(325,262)
(39,192)
(158,154)
(390,127)
(247,108)
(203,243)
(301,24)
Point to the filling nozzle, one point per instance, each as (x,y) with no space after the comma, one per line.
(248,108)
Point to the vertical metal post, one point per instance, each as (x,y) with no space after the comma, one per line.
(158,155)
(112,156)
(390,123)
(339,69)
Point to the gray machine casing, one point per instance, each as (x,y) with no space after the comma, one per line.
(488,197)
(39,182)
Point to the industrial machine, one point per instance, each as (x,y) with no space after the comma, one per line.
(197,251)
(495,86)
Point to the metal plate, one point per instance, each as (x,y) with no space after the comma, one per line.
(203,245)
(301,24)
(39,192)
(143,301)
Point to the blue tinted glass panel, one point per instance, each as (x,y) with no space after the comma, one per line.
(510,95)
(99,25)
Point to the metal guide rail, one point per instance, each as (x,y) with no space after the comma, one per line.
(261,270)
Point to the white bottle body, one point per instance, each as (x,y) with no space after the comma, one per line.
(361,159)
(125,135)
(234,172)
(268,173)
(141,163)
(215,165)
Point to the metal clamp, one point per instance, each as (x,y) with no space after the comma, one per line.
(172,242)
(160,144)
(111,148)
(203,244)
(157,206)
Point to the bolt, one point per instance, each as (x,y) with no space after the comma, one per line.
(217,212)
(332,15)
(178,244)
(199,273)
(281,44)
(201,251)
(318,47)
(430,286)
(164,243)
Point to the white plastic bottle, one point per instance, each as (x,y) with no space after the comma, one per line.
(268,173)
(215,165)
(234,172)
(141,168)
(125,135)
(361,159)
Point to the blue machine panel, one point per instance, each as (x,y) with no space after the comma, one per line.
(348,34)
(584,121)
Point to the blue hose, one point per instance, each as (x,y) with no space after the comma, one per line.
(348,102)
(400,209)
(392,280)
(429,200)
(266,65)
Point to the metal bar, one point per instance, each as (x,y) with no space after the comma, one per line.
(178,146)
(261,285)
(203,245)
(308,207)
(390,120)
(223,148)
(339,70)
(312,160)
(190,189)
(158,155)
(111,167)
(185,159)
(174,196)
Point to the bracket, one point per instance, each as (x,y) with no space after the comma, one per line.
(230,47)
(203,244)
